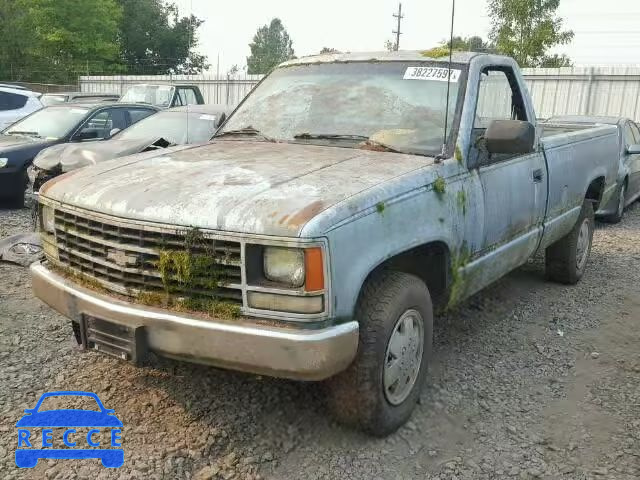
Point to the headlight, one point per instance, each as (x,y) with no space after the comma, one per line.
(3,162)
(47,219)
(31,174)
(284,265)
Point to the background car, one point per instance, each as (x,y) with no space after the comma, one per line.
(16,103)
(49,99)
(628,188)
(22,141)
(177,126)
(164,96)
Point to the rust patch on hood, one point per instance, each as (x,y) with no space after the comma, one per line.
(44,188)
(301,217)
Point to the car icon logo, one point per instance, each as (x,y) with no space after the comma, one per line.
(28,452)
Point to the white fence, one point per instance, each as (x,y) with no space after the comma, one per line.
(223,90)
(555,91)
(585,91)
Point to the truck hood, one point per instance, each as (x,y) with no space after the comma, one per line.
(71,156)
(234,186)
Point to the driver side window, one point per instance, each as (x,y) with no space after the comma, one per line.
(499,98)
(97,127)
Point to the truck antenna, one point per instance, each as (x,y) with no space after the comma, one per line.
(443,153)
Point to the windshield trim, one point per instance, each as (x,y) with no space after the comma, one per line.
(455,125)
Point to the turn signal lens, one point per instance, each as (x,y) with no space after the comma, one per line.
(314,269)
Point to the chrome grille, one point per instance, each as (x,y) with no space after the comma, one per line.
(125,259)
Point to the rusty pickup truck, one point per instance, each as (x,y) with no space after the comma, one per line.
(347,198)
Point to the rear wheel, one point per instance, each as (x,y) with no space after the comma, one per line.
(566,260)
(380,389)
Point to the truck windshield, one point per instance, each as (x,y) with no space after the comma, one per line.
(159,95)
(400,105)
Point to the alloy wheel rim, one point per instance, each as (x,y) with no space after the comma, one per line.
(582,248)
(403,357)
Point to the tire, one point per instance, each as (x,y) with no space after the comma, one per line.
(567,259)
(622,197)
(391,305)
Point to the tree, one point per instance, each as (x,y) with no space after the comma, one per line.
(56,39)
(14,17)
(329,50)
(156,40)
(556,61)
(271,46)
(527,29)
(470,44)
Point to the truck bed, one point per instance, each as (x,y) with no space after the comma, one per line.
(552,129)
(576,155)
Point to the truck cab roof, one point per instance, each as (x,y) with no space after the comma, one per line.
(383,56)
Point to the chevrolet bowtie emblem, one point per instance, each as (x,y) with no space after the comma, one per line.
(122,259)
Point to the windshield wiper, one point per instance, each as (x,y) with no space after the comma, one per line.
(251,131)
(367,141)
(28,134)
(329,136)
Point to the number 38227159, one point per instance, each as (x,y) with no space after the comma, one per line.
(431,73)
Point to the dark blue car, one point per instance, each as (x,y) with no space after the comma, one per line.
(70,419)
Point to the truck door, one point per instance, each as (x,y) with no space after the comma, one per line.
(514,186)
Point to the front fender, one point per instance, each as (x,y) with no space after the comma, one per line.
(368,239)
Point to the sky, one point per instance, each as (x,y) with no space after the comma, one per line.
(601,38)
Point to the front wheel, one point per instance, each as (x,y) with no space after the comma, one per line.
(380,389)
(566,260)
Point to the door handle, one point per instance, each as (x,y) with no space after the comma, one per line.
(538,175)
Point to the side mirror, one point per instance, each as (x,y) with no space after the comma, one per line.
(86,135)
(510,137)
(113,132)
(633,150)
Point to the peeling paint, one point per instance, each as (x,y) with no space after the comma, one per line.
(307,213)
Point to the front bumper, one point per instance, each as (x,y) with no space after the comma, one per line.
(278,351)
(11,181)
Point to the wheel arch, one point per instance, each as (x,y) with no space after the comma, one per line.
(431,262)
(595,191)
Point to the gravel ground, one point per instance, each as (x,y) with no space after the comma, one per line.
(529,380)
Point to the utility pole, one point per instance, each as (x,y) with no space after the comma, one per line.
(398,32)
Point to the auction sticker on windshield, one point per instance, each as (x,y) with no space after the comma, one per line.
(432,73)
